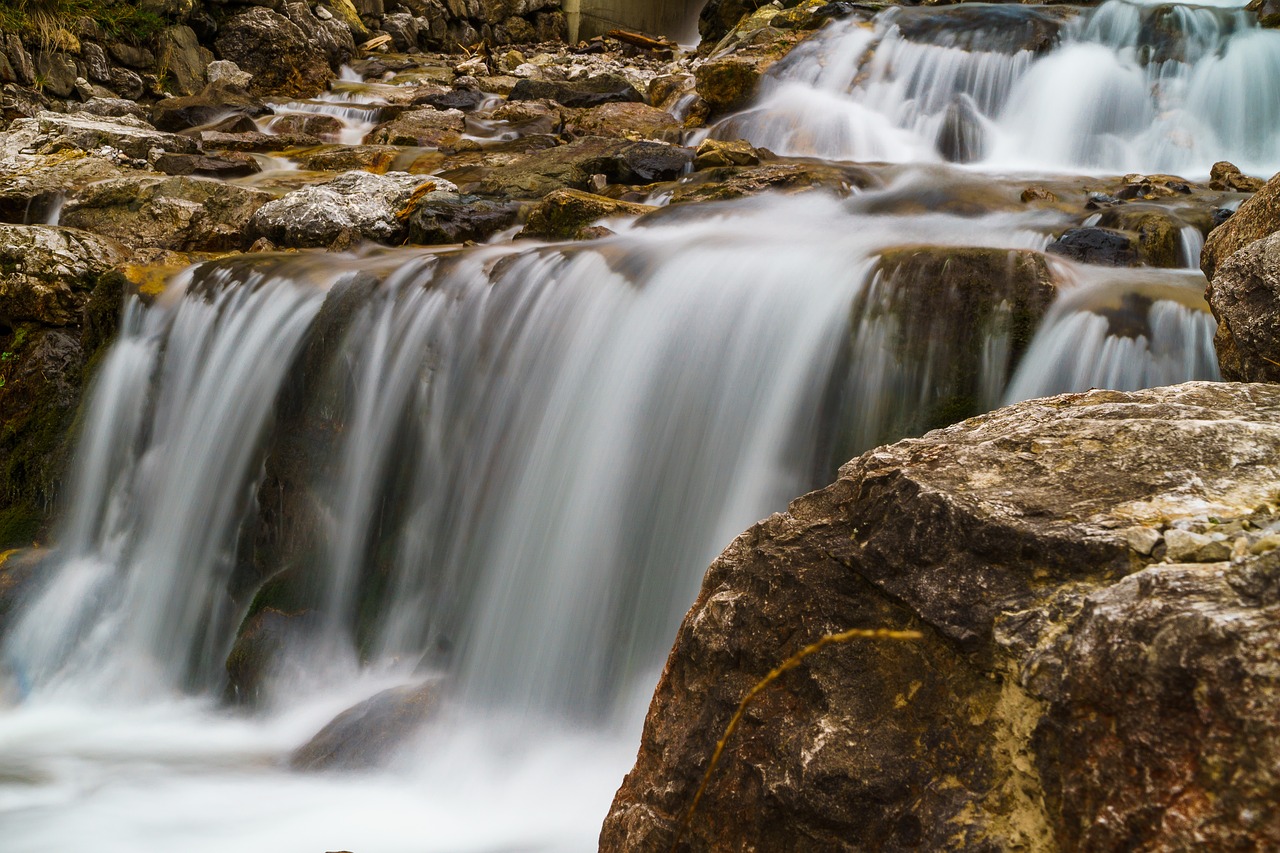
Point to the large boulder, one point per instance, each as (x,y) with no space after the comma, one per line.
(183,214)
(1244,296)
(445,217)
(626,120)
(183,59)
(282,60)
(353,206)
(1073,688)
(1256,218)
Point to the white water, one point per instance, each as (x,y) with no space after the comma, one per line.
(1111,93)
(535,452)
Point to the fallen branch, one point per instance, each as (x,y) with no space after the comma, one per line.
(787,665)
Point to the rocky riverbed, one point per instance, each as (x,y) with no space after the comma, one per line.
(1090,572)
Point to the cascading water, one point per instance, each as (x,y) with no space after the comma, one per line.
(1125,86)
(505,468)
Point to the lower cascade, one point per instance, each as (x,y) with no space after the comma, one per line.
(373,541)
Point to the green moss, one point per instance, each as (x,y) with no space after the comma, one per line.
(41,20)
(20,526)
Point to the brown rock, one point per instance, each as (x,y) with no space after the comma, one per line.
(625,120)
(282,60)
(1053,703)
(728,84)
(367,734)
(714,153)
(1257,217)
(1245,298)
(426,128)
(565,214)
(1227,176)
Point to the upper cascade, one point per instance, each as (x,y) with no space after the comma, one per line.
(1124,86)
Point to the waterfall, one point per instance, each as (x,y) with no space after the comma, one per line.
(505,468)
(1124,86)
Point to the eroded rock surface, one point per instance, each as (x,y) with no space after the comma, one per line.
(1071,691)
(1244,295)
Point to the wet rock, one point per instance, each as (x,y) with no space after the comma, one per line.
(1244,295)
(19,572)
(961,138)
(718,17)
(719,184)
(231,165)
(566,214)
(46,273)
(716,153)
(1257,217)
(462,99)
(1158,235)
(253,140)
(1054,660)
(1227,176)
(128,135)
(572,166)
(444,218)
(426,128)
(345,158)
(728,84)
(367,735)
(591,92)
(1037,193)
(1008,29)
(261,650)
(1094,245)
(373,207)
(214,104)
(282,60)
(625,120)
(182,214)
(31,190)
(327,128)
(962,299)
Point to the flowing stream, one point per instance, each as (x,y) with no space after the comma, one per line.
(503,470)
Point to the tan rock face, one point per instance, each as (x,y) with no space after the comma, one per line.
(1258,217)
(1070,691)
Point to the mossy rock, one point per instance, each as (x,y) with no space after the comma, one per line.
(566,214)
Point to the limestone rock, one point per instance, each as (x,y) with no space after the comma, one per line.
(714,153)
(1227,176)
(282,60)
(1244,296)
(184,214)
(131,136)
(565,214)
(46,272)
(357,204)
(1055,660)
(721,183)
(1258,217)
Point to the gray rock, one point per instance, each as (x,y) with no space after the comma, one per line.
(1066,693)
(357,205)
(183,214)
(367,734)
(183,60)
(95,61)
(46,273)
(56,72)
(132,136)
(224,72)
